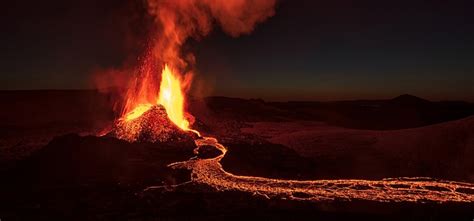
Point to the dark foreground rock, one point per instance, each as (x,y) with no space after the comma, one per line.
(72,160)
(89,176)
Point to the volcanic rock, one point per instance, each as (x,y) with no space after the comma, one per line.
(152,126)
(73,161)
(206,152)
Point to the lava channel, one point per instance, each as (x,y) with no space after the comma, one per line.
(406,189)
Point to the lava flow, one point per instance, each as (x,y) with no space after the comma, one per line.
(406,189)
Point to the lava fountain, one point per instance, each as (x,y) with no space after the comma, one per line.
(172,98)
(165,62)
(161,120)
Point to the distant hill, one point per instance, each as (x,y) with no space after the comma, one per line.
(89,108)
(407,99)
(302,150)
(404,111)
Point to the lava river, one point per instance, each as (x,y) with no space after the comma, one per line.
(412,189)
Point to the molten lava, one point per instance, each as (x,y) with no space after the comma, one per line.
(161,119)
(137,112)
(172,98)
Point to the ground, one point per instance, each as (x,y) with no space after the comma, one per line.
(54,167)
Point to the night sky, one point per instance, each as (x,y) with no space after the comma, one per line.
(310,50)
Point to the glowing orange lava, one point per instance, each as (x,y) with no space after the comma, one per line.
(405,189)
(172,98)
(137,112)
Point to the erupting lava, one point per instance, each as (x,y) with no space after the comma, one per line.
(162,120)
(175,22)
(170,96)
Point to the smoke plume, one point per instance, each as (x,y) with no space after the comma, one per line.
(175,21)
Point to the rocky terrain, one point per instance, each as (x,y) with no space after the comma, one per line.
(54,167)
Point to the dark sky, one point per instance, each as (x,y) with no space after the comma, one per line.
(310,50)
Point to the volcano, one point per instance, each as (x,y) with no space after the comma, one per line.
(151,126)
